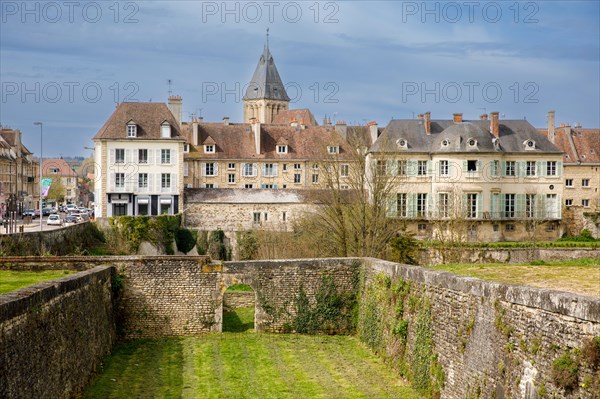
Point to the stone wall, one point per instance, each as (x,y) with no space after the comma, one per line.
(432,256)
(236,300)
(54,334)
(482,339)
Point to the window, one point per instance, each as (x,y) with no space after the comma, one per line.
(282,149)
(266,215)
(54,170)
(284,167)
(256,217)
(68,192)
(585,203)
(421,204)
(509,205)
(119,180)
(231,178)
(284,186)
(248,185)
(248,169)
(422,227)
(209,149)
(296,166)
(530,168)
(444,168)
(143,180)
(344,170)
(569,202)
(510,227)
(165,130)
(186,148)
(165,181)
(422,168)
(495,167)
(296,177)
(209,185)
(333,149)
(511,168)
(143,209)
(585,182)
(551,168)
(443,204)
(529,205)
(120,155)
(131,130)
(165,156)
(267,186)
(269,170)
(143,156)
(231,166)
(344,186)
(283,216)
(315,178)
(471,166)
(165,209)
(186,169)
(209,169)
(381,167)
(472,143)
(402,167)
(496,227)
(401,204)
(472,205)
(445,143)
(569,183)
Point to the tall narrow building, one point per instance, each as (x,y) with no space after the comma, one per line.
(265,96)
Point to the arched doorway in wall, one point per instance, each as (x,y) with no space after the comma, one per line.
(239,308)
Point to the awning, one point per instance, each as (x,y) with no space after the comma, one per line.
(119,201)
(142,201)
(165,201)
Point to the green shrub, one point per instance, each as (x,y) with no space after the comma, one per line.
(185,240)
(590,352)
(401,330)
(565,372)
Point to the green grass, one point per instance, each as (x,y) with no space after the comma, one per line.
(581,276)
(240,320)
(11,280)
(238,366)
(239,288)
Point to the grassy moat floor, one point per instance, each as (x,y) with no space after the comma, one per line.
(247,365)
(11,280)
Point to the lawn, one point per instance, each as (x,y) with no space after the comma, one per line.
(11,280)
(581,276)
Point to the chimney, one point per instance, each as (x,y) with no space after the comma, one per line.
(421,116)
(457,118)
(495,124)
(175,104)
(342,129)
(226,121)
(428,123)
(256,130)
(195,132)
(373,130)
(483,117)
(551,131)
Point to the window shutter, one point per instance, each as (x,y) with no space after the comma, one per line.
(111,158)
(274,185)
(479,206)
(275,170)
(390,208)
(540,168)
(127,156)
(411,210)
(493,171)
(520,205)
(559,168)
(411,164)
(203,169)
(479,166)
(157,157)
(391,167)
(438,168)
(558,207)
(134,156)
(465,167)
(175,183)
(150,183)
(111,180)
(216,168)
(503,168)
(522,168)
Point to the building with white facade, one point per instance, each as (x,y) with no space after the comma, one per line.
(139,162)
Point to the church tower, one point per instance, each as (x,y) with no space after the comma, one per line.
(265,96)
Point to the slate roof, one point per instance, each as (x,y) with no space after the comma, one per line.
(147,116)
(266,82)
(301,115)
(579,145)
(236,141)
(513,133)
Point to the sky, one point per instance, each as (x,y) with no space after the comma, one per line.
(68,63)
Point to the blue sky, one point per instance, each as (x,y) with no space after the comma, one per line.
(67,63)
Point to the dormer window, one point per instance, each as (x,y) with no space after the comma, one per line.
(186,148)
(445,143)
(333,149)
(131,130)
(402,143)
(529,145)
(282,149)
(209,148)
(165,130)
(472,143)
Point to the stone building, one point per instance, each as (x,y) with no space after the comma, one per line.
(19,173)
(58,168)
(501,179)
(139,158)
(581,160)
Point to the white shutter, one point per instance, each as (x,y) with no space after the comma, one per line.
(186,169)
(134,156)
(127,156)
(275,170)
(150,183)
(150,157)
(111,158)
(174,183)
(216,168)
(111,181)
(157,158)
(202,169)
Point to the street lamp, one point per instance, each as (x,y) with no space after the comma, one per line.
(41,164)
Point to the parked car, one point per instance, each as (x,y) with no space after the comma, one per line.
(70,208)
(53,210)
(29,212)
(46,211)
(54,220)
(71,220)
(36,213)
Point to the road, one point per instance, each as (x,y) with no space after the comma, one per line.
(33,226)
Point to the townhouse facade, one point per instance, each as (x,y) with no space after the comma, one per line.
(139,160)
(59,169)
(501,179)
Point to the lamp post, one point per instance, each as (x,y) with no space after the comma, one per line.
(41,164)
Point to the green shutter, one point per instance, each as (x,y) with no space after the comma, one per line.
(479,206)
(540,168)
(391,208)
(465,168)
(559,168)
(392,167)
(520,205)
(503,167)
(411,164)
(411,205)
(493,171)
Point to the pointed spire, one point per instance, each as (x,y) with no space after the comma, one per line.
(267,38)
(266,82)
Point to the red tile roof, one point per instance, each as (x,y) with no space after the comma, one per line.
(64,169)
(302,116)
(579,145)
